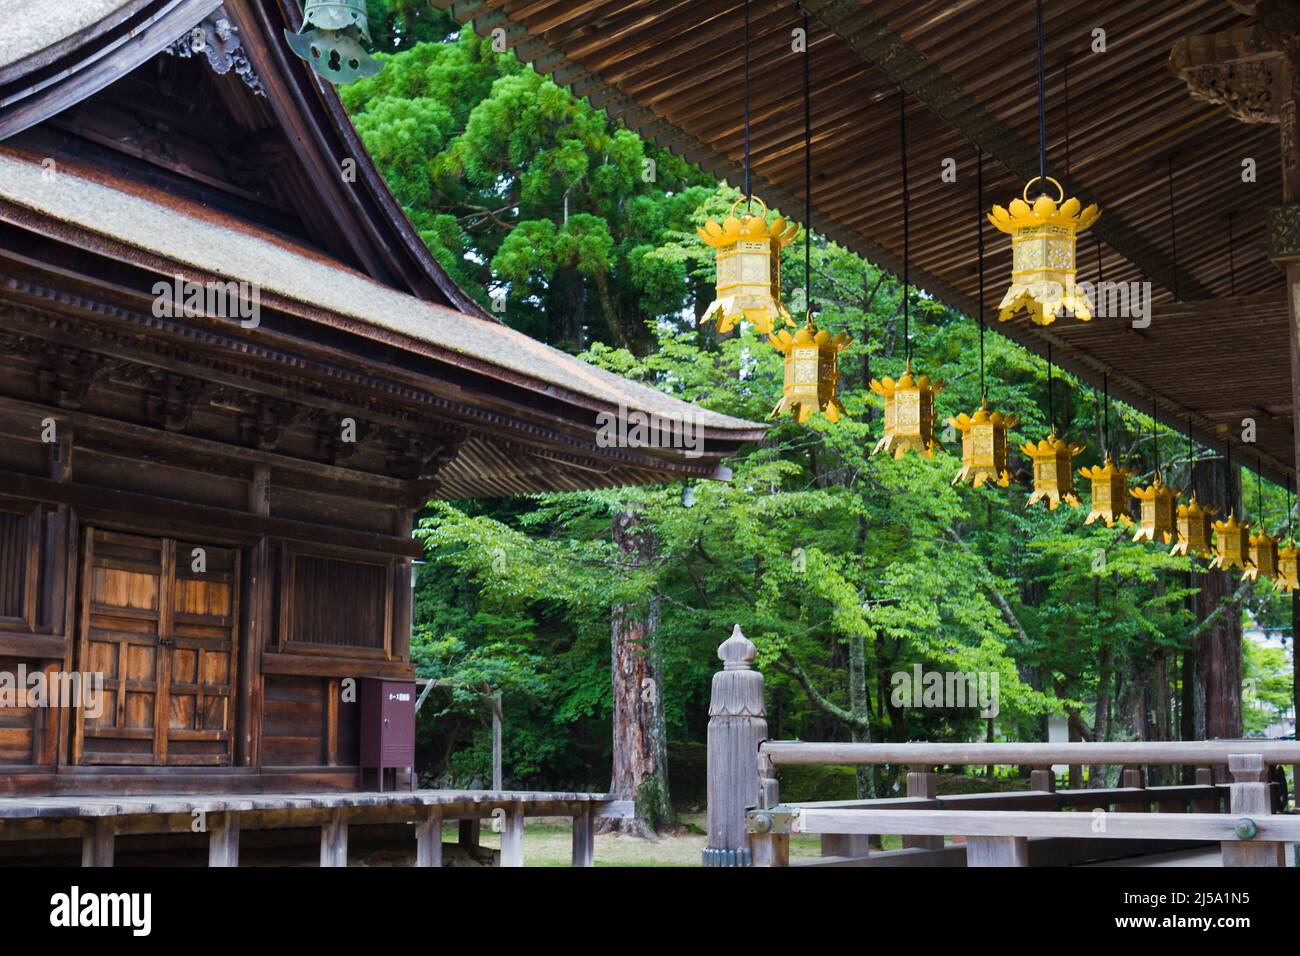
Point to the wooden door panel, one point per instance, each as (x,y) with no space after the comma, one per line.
(161,627)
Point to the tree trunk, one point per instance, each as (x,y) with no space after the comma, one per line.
(640,741)
(858,707)
(565,307)
(1219,653)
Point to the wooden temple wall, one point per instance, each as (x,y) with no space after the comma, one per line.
(227,598)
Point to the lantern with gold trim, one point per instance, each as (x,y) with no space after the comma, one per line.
(1109,493)
(812,371)
(1263,557)
(1288,568)
(1053,460)
(909,413)
(1232,544)
(749,269)
(1043,238)
(983,446)
(1158,504)
(1194,524)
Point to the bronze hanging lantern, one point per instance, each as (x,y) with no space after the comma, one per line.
(749,269)
(909,413)
(330,40)
(1053,460)
(1158,520)
(1264,557)
(983,446)
(1109,493)
(1194,525)
(812,372)
(1232,544)
(1288,568)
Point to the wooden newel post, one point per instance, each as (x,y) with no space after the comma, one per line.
(737,725)
(1251,798)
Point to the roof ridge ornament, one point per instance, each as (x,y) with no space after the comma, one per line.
(330,40)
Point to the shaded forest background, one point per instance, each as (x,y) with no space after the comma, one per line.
(843,568)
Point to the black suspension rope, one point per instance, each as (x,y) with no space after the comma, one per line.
(1155,436)
(1051,411)
(749,188)
(1065,72)
(1191,452)
(807,169)
(1042,98)
(1259,490)
(1105,396)
(907,229)
(1173,226)
(1099,273)
(979,232)
(1290,508)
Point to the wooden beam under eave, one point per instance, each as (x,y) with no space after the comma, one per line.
(871,37)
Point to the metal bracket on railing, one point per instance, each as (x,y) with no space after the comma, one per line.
(1246,829)
(775,820)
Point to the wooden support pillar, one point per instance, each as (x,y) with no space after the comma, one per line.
(428,839)
(1042,779)
(1135,778)
(737,725)
(512,837)
(467,835)
(997,851)
(922,783)
(97,845)
(584,839)
(851,845)
(1205,778)
(334,841)
(1251,799)
(223,839)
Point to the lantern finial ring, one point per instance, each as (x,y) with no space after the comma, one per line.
(1060,190)
(750,198)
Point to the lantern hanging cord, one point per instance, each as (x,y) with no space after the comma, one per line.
(1105,398)
(1191,451)
(979,232)
(1042,99)
(1155,437)
(1173,226)
(807,169)
(907,228)
(1065,71)
(1290,507)
(1051,411)
(1259,490)
(749,189)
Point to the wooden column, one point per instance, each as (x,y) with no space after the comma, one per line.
(512,837)
(97,845)
(467,833)
(334,841)
(255,612)
(428,839)
(223,839)
(1250,800)
(923,783)
(1205,778)
(584,845)
(997,851)
(737,725)
(1135,777)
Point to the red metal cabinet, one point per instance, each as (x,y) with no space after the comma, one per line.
(387,726)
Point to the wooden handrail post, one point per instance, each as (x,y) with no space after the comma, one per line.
(1135,778)
(737,725)
(1251,798)
(923,783)
(1205,778)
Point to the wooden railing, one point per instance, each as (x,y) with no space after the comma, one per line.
(748,823)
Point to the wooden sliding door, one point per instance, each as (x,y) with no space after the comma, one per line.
(158,620)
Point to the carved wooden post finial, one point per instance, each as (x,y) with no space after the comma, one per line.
(737,725)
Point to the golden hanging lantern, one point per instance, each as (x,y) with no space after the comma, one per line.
(1263,557)
(1158,522)
(1232,544)
(812,371)
(909,413)
(983,446)
(1194,522)
(1053,460)
(749,268)
(1109,493)
(1042,247)
(1288,568)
